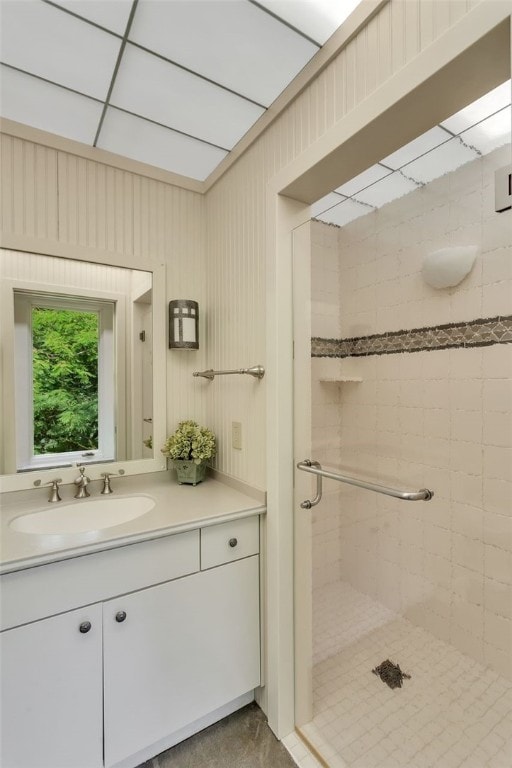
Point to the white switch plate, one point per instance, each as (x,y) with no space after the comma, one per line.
(236,435)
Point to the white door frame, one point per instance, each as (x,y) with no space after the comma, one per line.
(472,57)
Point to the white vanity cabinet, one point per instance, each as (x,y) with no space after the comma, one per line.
(51,698)
(177,652)
(100,685)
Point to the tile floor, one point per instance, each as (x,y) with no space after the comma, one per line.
(452,713)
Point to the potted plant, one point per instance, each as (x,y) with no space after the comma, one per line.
(190,447)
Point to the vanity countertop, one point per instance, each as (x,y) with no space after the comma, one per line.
(178,508)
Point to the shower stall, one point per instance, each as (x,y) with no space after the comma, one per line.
(405,654)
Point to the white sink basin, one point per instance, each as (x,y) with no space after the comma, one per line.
(83,516)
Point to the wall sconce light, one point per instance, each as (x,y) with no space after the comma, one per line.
(183,324)
(449,266)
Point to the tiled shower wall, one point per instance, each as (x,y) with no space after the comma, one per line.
(440,419)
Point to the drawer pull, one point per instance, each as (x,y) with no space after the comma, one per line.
(233,542)
(120,616)
(85,627)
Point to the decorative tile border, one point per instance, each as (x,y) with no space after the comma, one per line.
(475,333)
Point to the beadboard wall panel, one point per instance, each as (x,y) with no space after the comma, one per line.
(236,325)
(28,189)
(48,271)
(235,208)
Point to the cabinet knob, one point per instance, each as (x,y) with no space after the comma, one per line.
(85,627)
(120,616)
(233,542)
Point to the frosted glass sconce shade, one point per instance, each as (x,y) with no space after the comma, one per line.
(183,324)
(448,266)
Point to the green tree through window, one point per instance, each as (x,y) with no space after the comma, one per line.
(65,383)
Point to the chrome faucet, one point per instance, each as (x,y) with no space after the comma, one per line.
(81,483)
(54,492)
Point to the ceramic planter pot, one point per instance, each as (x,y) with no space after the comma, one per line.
(189,472)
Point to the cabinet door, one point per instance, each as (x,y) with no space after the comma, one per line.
(51,698)
(184,649)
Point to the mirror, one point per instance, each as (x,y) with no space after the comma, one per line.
(78,374)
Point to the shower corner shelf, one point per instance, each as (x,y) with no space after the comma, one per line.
(335,371)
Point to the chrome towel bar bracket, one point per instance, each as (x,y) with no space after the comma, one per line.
(315,468)
(257,371)
(308,463)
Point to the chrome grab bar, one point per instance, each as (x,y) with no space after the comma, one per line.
(257,371)
(315,468)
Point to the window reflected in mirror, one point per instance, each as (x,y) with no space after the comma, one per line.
(77,362)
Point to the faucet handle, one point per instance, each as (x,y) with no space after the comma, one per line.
(54,493)
(81,483)
(106,481)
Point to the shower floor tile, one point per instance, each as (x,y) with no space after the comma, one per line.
(452,713)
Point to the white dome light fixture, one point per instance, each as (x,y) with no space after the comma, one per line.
(447,267)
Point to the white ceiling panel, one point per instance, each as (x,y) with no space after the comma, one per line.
(140,140)
(153,88)
(416,147)
(47,42)
(440,160)
(344,213)
(318,19)
(48,107)
(329,201)
(111,14)
(491,133)
(233,43)
(364,179)
(386,190)
(480,109)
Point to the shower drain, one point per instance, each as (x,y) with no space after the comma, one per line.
(391,674)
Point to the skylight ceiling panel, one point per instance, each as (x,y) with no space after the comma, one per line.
(489,134)
(416,147)
(153,88)
(111,14)
(45,41)
(140,140)
(318,19)
(478,110)
(322,206)
(364,179)
(235,43)
(386,190)
(441,160)
(48,107)
(344,213)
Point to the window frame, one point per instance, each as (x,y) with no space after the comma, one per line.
(24,303)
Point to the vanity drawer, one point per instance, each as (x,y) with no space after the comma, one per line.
(35,593)
(229,541)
